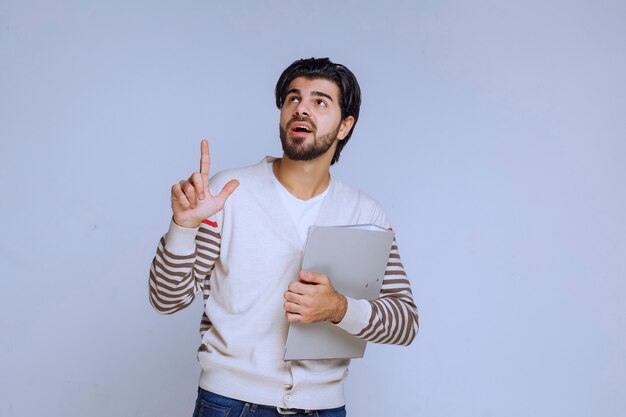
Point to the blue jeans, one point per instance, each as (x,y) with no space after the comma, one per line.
(213,405)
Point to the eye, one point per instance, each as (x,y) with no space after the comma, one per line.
(322,103)
(293,99)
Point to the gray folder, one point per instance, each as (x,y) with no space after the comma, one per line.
(355,259)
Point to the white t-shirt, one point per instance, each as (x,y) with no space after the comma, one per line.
(302,212)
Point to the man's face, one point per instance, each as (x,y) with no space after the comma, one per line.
(310,119)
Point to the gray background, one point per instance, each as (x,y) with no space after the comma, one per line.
(493,132)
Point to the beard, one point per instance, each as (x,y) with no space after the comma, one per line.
(297,149)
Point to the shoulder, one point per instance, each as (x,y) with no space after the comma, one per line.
(356,196)
(371,211)
(253,174)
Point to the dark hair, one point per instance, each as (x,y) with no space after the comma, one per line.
(349,90)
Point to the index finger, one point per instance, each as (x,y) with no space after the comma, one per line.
(313,277)
(205,159)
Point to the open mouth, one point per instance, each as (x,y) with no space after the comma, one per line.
(301,126)
(301,129)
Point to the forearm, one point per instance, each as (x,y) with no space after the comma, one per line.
(393,317)
(181,266)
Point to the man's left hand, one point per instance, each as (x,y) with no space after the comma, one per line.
(313,299)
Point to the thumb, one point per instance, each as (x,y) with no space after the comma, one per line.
(228,190)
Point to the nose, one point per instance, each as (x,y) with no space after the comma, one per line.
(301,110)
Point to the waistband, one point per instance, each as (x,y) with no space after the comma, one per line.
(236,405)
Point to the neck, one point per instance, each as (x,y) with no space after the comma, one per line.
(303,179)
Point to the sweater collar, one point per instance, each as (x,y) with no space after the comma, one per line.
(324,218)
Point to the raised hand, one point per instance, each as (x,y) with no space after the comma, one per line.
(192,200)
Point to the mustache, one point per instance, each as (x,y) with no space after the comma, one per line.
(297,119)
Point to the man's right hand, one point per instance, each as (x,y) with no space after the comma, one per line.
(192,201)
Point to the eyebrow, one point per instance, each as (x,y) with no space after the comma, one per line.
(313,93)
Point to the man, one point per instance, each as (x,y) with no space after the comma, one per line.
(238,239)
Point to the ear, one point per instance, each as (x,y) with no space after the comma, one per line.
(344,127)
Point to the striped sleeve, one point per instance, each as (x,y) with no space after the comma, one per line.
(394,317)
(177,275)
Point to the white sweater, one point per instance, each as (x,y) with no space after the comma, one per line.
(242,260)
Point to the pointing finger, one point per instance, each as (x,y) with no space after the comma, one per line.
(205,162)
(205,159)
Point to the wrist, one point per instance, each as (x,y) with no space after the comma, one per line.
(190,224)
(342,308)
